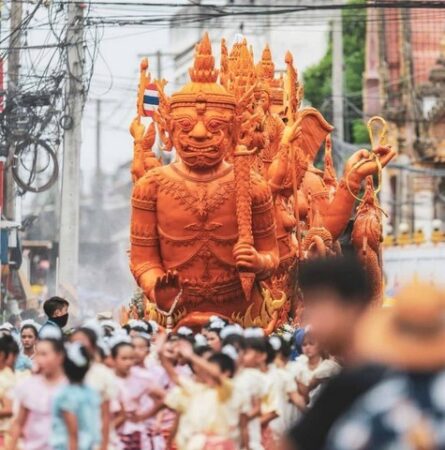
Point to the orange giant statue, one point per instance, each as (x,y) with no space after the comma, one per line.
(204,229)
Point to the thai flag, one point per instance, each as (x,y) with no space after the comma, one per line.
(151,100)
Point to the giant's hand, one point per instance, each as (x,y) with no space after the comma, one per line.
(362,164)
(247,258)
(167,288)
(137,129)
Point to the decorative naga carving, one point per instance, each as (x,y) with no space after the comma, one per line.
(220,230)
(367,238)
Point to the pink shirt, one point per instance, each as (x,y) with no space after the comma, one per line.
(37,396)
(134,396)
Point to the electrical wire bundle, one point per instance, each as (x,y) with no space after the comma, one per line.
(36,111)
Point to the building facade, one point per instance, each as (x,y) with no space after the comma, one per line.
(404,82)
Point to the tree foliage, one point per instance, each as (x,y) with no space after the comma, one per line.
(318,77)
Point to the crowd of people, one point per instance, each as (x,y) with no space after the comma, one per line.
(351,377)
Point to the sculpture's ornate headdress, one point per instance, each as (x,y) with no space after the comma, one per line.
(266,75)
(238,73)
(203,86)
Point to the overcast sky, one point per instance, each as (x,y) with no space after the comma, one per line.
(116,77)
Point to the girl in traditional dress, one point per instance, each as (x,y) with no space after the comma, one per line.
(285,386)
(76,409)
(29,333)
(205,403)
(312,368)
(8,354)
(130,409)
(154,376)
(99,376)
(35,394)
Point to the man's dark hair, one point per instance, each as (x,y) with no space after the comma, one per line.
(54,304)
(343,275)
(224,362)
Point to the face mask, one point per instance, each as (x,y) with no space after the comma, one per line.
(61,321)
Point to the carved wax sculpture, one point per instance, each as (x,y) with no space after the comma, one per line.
(219,230)
(367,238)
(187,217)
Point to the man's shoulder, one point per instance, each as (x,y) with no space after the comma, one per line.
(336,397)
(47,324)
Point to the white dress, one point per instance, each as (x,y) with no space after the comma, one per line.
(301,371)
(250,385)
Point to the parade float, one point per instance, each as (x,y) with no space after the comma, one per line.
(223,228)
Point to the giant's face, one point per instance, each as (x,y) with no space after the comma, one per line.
(201,134)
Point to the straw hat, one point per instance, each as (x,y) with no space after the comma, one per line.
(409,336)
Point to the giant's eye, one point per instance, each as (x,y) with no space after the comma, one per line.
(185,124)
(215,124)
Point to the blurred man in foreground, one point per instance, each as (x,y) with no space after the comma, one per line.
(336,296)
(406,410)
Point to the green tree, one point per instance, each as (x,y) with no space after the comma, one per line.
(318,78)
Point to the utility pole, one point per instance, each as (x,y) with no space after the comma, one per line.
(70,197)
(15,43)
(98,139)
(98,185)
(337,74)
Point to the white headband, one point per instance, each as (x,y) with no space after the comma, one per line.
(120,337)
(73,351)
(200,340)
(275,342)
(184,331)
(254,332)
(231,329)
(230,351)
(30,323)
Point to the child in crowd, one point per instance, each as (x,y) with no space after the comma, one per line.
(35,395)
(76,409)
(8,354)
(312,368)
(153,376)
(248,383)
(29,333)
(289,400)
(205,403)
(129,408)
(99,377)
(169,418)
(257,356)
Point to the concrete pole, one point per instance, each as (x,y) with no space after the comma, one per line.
(15,43)
(98,138)
(337,74)
(70,198)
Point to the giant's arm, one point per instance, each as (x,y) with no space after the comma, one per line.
(263,226)
(145,258)
(336,213)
